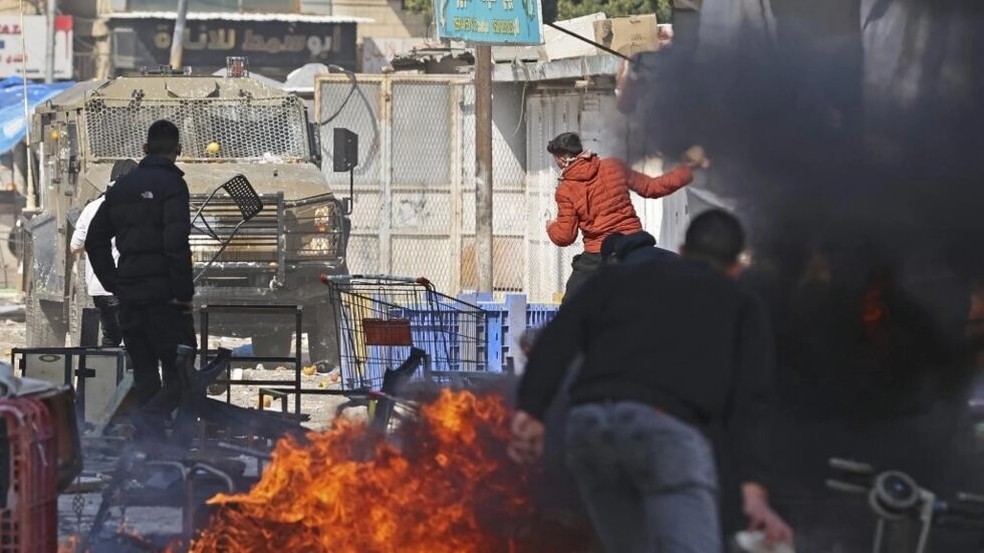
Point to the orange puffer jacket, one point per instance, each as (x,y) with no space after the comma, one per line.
(593,196)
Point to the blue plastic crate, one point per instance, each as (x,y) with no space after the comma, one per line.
(503,327)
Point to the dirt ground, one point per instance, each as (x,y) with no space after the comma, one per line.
(12,335)
(13,331)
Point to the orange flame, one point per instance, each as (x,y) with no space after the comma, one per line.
(874,310)
(874,313)
(69,545)
(450,489)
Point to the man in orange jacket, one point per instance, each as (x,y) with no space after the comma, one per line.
(593,197)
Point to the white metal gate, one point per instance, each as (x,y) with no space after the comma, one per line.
(414,211)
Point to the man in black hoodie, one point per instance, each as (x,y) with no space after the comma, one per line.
(671,348)
(148,214)
(637,247)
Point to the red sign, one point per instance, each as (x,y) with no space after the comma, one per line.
(13,56)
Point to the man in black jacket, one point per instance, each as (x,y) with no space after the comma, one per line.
(671,347)
(635,248)
(147,212)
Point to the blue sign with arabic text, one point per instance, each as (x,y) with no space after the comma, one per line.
(489,21)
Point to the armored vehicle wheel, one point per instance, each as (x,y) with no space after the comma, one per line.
(80,301)
(322,333)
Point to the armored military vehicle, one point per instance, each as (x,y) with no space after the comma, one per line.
(228,126)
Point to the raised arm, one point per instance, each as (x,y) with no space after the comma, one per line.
(663,185)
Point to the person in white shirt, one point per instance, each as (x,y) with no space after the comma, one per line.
(107,304)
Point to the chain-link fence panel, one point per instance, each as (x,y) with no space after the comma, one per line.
(509,180)
(357,107)
(422,134)
(423,202)
(508,194)
(418,217)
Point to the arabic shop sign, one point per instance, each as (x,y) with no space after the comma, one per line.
(265,43)
(489,21)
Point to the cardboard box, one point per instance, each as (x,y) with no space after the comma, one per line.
(628,35)
(558,45)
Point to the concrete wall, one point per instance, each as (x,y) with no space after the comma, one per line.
(389,21)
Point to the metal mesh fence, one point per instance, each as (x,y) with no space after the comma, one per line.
(423,188)
(357,108)
(508,195)
(245,128)
(414,211)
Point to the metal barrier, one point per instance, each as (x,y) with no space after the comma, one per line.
(283,310)
(75,367)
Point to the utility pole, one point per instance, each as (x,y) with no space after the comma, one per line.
(483,167)
(49,53)
(177,41)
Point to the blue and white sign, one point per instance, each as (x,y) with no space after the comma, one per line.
(489,21)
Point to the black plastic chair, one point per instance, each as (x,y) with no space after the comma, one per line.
(244,196)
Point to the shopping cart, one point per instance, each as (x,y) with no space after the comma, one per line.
(390,327)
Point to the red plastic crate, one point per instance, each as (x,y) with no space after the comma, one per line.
(28,478)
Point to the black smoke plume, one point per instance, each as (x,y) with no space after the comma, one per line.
(849,133)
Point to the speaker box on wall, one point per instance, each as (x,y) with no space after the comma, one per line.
(345,155)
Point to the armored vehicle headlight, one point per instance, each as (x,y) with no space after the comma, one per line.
(322,218)
(319,246)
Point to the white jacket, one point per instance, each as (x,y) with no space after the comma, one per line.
(92,283)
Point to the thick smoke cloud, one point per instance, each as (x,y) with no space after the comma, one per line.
(849,132)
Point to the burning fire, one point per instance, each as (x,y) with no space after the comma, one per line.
(874,313)
(69,545)
(450,489)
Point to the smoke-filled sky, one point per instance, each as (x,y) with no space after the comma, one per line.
(850,133)
(847,131)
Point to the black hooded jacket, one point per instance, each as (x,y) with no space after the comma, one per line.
(675,334)
(637,247)
(148,213)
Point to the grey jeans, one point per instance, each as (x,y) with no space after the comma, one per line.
(647,479)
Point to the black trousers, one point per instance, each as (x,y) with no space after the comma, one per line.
(109,320)
(152,334)
(584,265)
